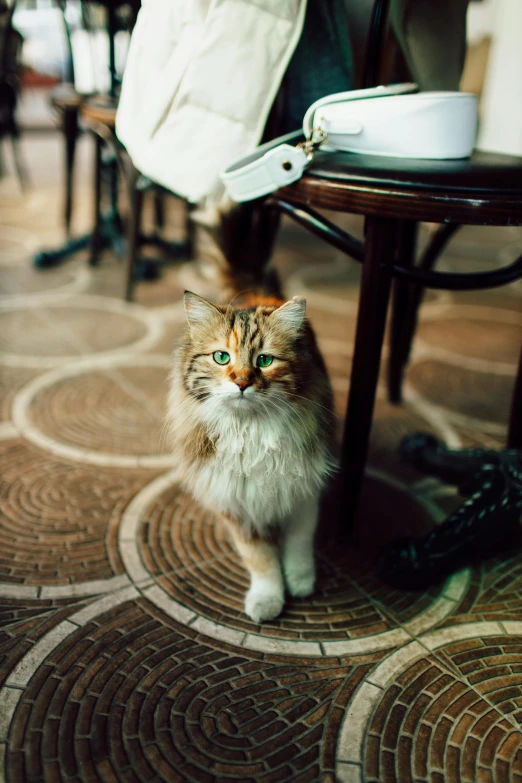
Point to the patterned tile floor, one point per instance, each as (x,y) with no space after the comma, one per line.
(124,651)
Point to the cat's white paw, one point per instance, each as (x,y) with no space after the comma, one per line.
(300,582)
(263,605)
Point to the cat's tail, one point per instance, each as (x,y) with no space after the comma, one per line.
(232,250)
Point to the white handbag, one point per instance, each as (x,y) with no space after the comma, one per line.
(396,121)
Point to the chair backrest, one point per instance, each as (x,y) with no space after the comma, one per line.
(89,42)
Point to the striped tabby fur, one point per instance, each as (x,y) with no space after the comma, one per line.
(255,443)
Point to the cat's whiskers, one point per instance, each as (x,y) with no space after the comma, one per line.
(264,406)
(244,291)
(292,410)
(313,402)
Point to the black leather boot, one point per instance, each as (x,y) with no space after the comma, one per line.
(489,518)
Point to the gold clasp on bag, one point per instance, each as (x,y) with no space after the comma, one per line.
(312,144)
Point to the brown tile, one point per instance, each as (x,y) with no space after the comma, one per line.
(135,695)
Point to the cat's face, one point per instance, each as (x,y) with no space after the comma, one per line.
(243,359)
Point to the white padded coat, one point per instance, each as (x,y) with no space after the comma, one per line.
(200,79)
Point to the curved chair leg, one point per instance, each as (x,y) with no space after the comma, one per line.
(133,232)
(374,296)
(190,231)
(21,170)
(97,238)
(159,210)
(406,247)
(514,439)
(410,301)
(70,132)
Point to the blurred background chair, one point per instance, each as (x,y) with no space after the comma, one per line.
(394,196)
(88,101)
(11,42)
(97,42)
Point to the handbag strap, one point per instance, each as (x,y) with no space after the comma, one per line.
(271,166)
(278,163)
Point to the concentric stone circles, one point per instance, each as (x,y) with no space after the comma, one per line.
(445,707)
(96,327)
(153,701)
(58,519)
(200,581)
(119,421)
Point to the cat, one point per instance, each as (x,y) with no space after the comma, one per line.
(251,420)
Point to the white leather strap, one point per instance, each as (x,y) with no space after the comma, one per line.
(271,166)
(279,162)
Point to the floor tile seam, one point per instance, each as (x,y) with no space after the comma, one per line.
(371,682)
(469,732)
(153,324)
(366,597)
(454,671)
(82,279)
(406,624)
(121,382)
(381,610)
(452,417)
(41,614)
(110,583)
(424,350)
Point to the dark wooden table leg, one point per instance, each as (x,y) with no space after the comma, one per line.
(406,246)
(514,439)
(70,132)
(134,232)
(96,238)
(381,233)
(159,210)
(190,230)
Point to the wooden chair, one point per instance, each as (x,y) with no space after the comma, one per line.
(394,196)
(11,43)
(80,105)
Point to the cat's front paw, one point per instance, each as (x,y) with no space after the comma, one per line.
(300,582)
(262,605)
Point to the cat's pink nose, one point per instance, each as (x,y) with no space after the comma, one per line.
(242,383)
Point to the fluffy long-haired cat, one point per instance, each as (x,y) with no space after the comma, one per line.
(250,414)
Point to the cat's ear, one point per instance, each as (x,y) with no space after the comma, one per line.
(198,311)
(291,314)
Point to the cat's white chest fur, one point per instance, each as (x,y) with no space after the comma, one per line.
(261,469)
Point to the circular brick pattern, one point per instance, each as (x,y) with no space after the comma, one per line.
(152,701)
(99,411)
(21,283)
(495,592)
(452,715)
(475,333)
(58,520)
(107,411)
(16,243)
(431,726)
(462,394)
(187,552)
(11,381)
(61,329)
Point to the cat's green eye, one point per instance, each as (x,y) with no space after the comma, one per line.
(264,360)
(221,357)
